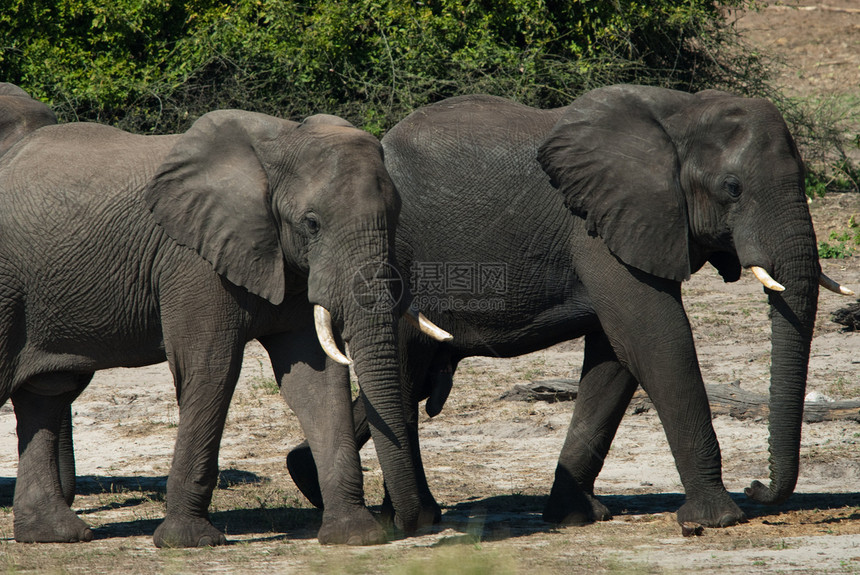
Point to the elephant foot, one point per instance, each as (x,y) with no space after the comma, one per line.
(59,526)
(303,470)
(714,511)
(355,528)
(430,514)
(187,532)
(577,508)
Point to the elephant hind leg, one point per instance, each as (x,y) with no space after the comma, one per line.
(41,511)
(303,470)
(605,390)
(66,457)
(66,447)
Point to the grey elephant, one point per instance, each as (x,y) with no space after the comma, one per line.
(126,250)
(592,216)
(20,114)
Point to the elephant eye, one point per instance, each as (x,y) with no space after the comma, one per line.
(312,223)
(732,186)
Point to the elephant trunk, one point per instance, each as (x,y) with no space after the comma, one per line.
(374,354)
(792,321)
(367,308)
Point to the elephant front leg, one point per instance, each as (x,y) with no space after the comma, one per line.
(41,511)
(686,418)
(644,320)
(317,390)
(205,381)
(300,460)
(605,390)
(301,464)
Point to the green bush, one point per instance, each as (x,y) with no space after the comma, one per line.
(155,65)
(841,245)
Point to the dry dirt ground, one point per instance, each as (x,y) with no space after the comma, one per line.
(491,462)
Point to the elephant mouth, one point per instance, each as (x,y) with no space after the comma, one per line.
(767,281)
(325,333)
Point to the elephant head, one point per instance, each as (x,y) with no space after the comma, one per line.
(279,207)
(19,115)
(670,180)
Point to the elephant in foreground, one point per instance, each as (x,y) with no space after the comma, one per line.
(126,250)
(592,215)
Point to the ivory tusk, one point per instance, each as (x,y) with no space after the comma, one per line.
(833,286)
(766,280)
(426,326)
(322,322)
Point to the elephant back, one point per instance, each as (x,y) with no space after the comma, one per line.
(444,142)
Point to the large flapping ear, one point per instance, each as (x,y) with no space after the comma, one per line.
(211,194)
(612,158)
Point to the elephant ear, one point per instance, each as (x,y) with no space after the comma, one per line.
(211,193)
(616,164)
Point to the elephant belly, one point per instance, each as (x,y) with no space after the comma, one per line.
(79,351)
(519,333)
(85,315)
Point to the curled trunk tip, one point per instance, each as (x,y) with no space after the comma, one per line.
(768,495)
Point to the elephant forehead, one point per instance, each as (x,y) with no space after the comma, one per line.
(330,142)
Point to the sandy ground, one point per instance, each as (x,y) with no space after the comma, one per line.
(490,462)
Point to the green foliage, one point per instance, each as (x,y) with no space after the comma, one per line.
(815,186)
(843,244)
(155,65)
(820,127)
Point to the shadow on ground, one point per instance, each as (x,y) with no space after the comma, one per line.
(269,524)
(104,484)
(132,491)
(507,516)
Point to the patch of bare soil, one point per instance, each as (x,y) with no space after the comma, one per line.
(491,462)
(818,42)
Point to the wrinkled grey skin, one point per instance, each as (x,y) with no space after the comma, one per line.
(126,250)
(21,114)
(644,186)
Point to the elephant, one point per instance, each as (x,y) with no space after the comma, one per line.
(128,250)
(594,214)
(20,114)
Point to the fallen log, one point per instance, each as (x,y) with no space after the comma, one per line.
(724,399)
(848,316)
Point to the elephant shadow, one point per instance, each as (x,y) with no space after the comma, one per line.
(131,491)
(802,502)
(516,515)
